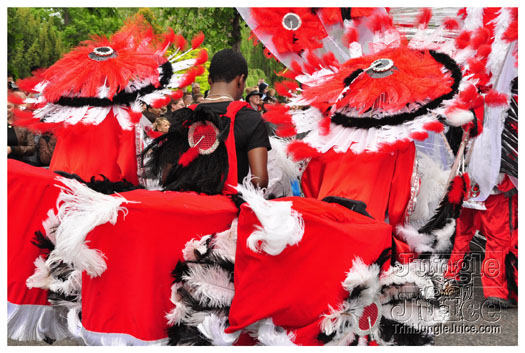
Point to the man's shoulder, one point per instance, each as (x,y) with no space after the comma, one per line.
(248,113)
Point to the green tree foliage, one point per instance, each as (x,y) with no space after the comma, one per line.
(257,59)
(39,36)
(32,41)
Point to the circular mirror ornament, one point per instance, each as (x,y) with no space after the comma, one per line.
(292,21)
(102,53)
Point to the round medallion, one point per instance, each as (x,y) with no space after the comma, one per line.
(204,135)
(381,68)
(291,21)
(102,53)
(369,319)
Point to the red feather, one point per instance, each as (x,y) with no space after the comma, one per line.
(286,73)
(330,60)
(180,42)
(189,156)
(134,116)
(286,88)
(351,35)
(300,150)
(451,23)
(313,60)
(419,135)
(177,94)
(394,147)
(484,51)
(494,98)
(159,103)
(463,40)
(435,126)
(296,67)
(481,37)
(278,114)
(330,15)
(28,84)
(475,66)
(379,22)
(169,37)
(462,13)
(197,40)
(424,17)
(202,57)
(190,76)
(324,126)
(457,190)
(511,33)
(15,99)
(469,94)
(286,131)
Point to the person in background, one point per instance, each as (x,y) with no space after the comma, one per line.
(254,98)
(20,141)
(187,99)
(175,105)
(197,98)
(161,124)
(263,89)
(195,89)
(45,147)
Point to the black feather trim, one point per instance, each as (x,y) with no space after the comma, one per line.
(104,185)
(385,255)
(121,98)
(323,337)
(402,335)
(398,119)
(43,243)
(511,266)
(350,78)
(184,335)
(237,200)
(180,269)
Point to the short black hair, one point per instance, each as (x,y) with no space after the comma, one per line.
(226,65)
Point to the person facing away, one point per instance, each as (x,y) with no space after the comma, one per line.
(227,78)
(247,139)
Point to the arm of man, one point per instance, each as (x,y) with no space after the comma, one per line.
(258,159)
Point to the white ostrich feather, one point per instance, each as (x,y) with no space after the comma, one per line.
(122,117)
(281,225)
(80,210)
(270,335)
(41,278)
(213,328)
(210,284)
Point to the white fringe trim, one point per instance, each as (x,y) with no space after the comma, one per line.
(80,210)
(281,224)
(35,323)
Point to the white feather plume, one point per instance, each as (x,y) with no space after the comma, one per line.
(270,335)
(213,328)
(281,224)
(210,284)
(418,242)
(41,278)
(199,245)
(122,117)
(80,210)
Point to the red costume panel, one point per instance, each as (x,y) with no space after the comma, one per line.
(297,286)
(31,193)
(141,250)
(90,150)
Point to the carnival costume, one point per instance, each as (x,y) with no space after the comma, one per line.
(322,269)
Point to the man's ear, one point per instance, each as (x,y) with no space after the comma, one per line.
(242,80)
